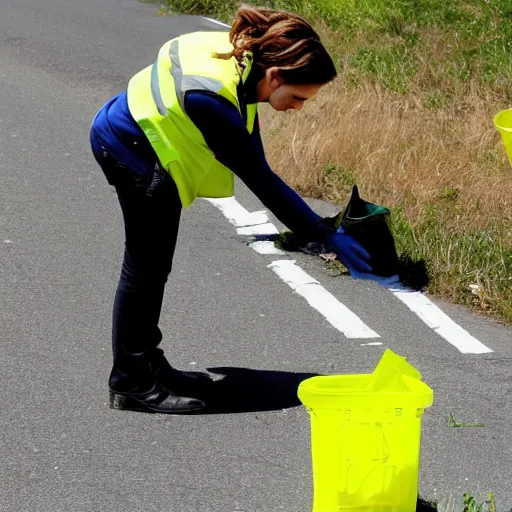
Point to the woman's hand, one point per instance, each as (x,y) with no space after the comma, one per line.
(357,259)
(350,252)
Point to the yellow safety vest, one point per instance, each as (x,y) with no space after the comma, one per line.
(156,98)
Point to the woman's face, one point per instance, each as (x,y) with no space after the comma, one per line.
(283,96)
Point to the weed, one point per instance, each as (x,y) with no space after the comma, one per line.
(471,505)
(455,424)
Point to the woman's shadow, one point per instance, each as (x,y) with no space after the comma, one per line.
(246,390)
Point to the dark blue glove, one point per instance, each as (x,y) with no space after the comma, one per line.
(350,252)
(357,259)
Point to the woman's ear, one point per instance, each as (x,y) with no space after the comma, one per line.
(268,84)
(274,78)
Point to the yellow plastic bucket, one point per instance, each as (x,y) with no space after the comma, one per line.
(503,123)
(365,437)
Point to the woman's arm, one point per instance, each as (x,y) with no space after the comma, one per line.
(227,136)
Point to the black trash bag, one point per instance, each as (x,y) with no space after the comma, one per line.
(370,225)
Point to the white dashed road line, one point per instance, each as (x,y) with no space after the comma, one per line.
(265,247)
(336,313)
(331,308)
(440,322)
(237,214)
(217,22)
(320,299)
(260,229)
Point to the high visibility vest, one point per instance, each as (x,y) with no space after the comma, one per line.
(156,98)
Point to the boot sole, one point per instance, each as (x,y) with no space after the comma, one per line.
(127,403)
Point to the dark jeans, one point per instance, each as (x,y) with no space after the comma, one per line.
(151,209)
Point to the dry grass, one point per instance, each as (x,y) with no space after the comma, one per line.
(397,150)
(444,169)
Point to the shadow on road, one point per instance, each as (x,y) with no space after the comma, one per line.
(246,390)
(425,506)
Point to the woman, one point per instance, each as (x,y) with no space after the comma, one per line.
(181,130)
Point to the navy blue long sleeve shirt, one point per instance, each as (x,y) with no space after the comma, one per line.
(228,138)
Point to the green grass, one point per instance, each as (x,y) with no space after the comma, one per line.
(470,268)
(389,40)
(467,504)
(471,505)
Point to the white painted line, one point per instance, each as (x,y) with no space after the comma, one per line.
(291,274)
(372,344)
(440,322)
(217,22)
(265,247)
(320,299)
(260,229)
(236,213)
(334,311)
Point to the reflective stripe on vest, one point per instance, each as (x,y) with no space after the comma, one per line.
(179,145)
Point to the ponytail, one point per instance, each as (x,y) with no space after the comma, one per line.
(284,40)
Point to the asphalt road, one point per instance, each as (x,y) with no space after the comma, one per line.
(61,239)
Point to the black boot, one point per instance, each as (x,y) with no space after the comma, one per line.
(157,400)
(174,381)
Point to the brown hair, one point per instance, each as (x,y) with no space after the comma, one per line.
(284,40)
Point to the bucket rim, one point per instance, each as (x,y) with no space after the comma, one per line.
(308,387)
(499,126)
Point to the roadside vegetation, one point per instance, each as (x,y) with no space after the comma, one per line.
(409,120)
